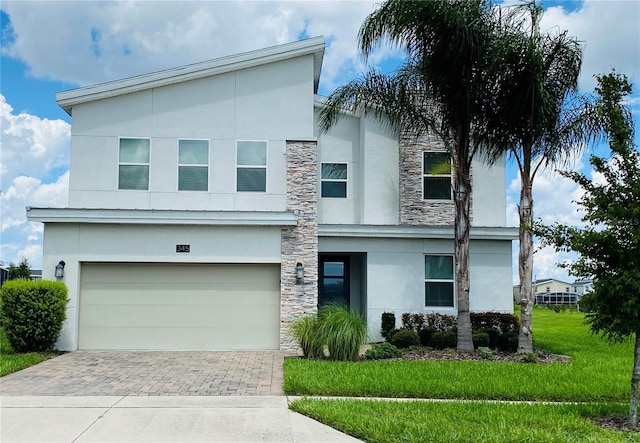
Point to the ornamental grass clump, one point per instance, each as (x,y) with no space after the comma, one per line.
(305,331)
(344,331)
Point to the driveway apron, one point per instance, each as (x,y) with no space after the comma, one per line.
(149,373)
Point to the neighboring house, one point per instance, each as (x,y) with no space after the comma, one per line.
(36,274)
(195,194)
(550,291)
(4,274)
(582,286)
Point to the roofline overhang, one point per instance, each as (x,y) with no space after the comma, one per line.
(312,46)
(409,232)
(161,217)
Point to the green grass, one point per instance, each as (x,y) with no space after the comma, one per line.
(598,371)
(390,421)
(12,362)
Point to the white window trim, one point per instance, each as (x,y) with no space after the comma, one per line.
(345,180)
(450,175)
(133,164)
(208,165)
(440,280)
(265,167)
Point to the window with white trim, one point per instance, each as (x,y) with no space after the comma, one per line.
(133,164)
(251,161)
(193,165)
(333,180)
(436,179)
(438,281)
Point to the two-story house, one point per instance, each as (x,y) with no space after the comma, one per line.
(205,211)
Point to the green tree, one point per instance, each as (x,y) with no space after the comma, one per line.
(444,87)
(22,271)
(609,244)
(543,119)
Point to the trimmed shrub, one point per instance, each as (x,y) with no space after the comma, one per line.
(343,330)
(444,339)
(507,342)
(387,324)
(305,330)
(441,322)
(425,336)
(405,338)
(493,336)
(494,320)
(32,313)
(414,322)
(381,351)
(480,340)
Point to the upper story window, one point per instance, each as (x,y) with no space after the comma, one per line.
(334,180)
(251,173)
(438,281)
(436,176)
(193,165)
(133,164)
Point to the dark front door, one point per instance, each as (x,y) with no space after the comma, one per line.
(334,280)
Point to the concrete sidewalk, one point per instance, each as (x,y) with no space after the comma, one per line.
(81,419)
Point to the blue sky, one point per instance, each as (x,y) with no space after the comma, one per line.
(48,47)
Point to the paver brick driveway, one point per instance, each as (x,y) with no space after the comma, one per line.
(97,373)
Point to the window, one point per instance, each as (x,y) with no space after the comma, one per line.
(436,176)
(334,180)
(252,166)
(193,165)
(438,280)
(133,164)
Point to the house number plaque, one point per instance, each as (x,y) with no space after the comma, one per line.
(183,248)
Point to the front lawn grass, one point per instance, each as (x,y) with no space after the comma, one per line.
(417,421)
(12,362)
(598,371)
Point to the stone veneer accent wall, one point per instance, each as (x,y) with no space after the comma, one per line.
(413,209)
(299,243)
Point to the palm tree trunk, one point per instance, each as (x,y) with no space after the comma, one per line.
(462,193)
(525,264)
(635,378)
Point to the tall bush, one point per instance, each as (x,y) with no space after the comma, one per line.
(387,323)
(344,330)
(32,313)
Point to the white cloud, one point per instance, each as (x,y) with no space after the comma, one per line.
(32,149)
(104,41)
(31,146)
(610,34)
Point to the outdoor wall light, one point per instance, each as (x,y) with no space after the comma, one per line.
(299,273)
(60,269)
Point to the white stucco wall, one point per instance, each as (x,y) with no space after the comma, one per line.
(78,243)
(489,194)
(371,154)
(395,275)
(271,102)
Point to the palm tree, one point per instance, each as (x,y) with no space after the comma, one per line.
(443,88)
(539,112)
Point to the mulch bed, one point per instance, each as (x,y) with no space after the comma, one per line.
(615,424)
(541,356)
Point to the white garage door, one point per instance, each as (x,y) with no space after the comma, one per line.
(179,306)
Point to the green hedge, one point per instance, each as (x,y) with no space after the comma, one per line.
(32,313)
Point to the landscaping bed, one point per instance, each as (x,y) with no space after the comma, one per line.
(540,356)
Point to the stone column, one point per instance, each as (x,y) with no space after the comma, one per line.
(299,243)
